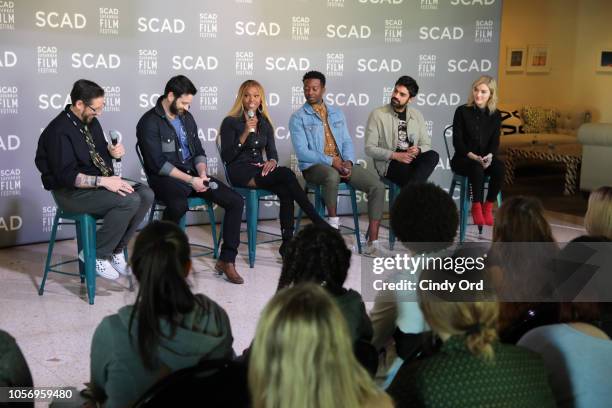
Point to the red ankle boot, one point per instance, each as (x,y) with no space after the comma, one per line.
(487,210)
(477,214)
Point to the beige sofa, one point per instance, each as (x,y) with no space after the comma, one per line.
(567,124)
(596,170)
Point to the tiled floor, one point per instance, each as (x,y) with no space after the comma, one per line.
(54,331)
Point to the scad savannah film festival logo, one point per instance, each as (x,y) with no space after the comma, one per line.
(109,21)
(10,182)
(212,165)
(9,100)
(244,63)
(335,3)
(393,30)
(147,62)
(386,97)
(334,64)
(300,28)
(112,98)
(427,65)
(483,32)
(48,215)
(429,4)
(209,98)
(7,15)
(297,97)
(208,25)
(429,127)
(46,59)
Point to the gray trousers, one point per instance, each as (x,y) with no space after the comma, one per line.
(362,179)
(121,215)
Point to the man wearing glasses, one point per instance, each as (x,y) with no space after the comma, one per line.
(75,162)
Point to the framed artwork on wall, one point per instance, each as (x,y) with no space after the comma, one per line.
(515,59)
(538,58)
(604,60)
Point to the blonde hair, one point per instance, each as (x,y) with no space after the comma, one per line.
(492,85)
(476,320)
(302,355)
(237,109)
(598,218)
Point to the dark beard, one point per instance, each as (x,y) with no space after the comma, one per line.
(174,109)
(397,106)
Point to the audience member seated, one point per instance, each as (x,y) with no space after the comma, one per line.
(472,368)
(167,329)
(302,356)
(425,218)
(577,355)
(517,266)
(318,254)
(598,218)
(14,370)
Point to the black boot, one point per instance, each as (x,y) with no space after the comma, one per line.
(287,235)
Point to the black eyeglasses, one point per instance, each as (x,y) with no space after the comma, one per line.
(96,111)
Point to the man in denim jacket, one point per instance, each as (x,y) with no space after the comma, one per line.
(325,153)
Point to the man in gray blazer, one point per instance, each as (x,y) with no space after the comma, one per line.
(397,140)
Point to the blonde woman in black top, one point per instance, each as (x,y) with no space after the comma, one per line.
(476,131)
(246,133)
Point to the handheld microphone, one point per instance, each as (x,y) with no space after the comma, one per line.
(251,115)
(114,136)
(211,185)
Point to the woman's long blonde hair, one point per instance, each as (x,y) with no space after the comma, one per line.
(492,85)
(302,355)
(476,320)
(598,218)
(237,110)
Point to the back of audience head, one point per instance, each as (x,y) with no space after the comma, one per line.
(302,355)
(521,219)
(598,218)
(425,217)
(161,262)
(316,254)
(476,318)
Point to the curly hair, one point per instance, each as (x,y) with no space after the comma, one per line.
(424,213)
(317,254)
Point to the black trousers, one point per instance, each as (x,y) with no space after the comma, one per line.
(475,173)
(284,184)
(174,193)
(417,171)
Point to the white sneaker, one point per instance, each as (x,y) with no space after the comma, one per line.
(118,262)
(105,270)
(334,222)
(375,249)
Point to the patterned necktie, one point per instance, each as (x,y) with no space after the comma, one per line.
(98,161)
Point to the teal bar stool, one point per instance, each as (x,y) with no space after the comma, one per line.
(193,204)
(464,192)
(86,243)
(394,191)
(252,197)
(343,189)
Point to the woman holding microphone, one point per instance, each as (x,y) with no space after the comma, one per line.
(246,133)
